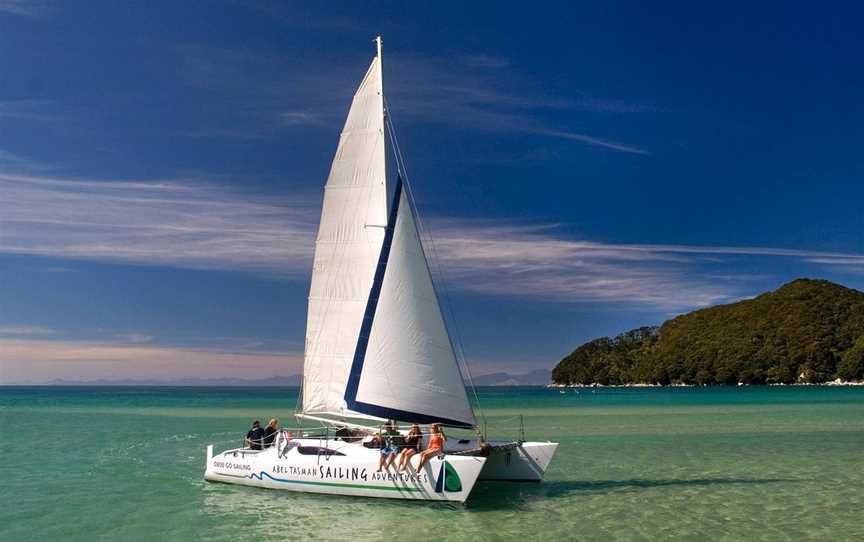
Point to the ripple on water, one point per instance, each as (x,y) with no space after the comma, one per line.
(640,467)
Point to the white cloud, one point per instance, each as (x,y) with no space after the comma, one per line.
(13,162)
(44,361)
(594,141)
(24,330)
(26,8)
(839,259)
(298,118)
(485,61)
(28,109)
(284,92)
(189,224)
(135,338)
(531,261)
(175,223)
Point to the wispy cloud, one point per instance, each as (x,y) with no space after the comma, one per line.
(13,162)
(44,361)
(24,330)
(180,223)
(295,118)
(27,109)
(594,141)
(485,61)
(841,260)
(431,90)
(135,338)
(26,8)
(192,224)
(532,261)
(284,92)
(273,92)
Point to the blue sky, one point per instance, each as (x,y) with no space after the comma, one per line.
(583,169)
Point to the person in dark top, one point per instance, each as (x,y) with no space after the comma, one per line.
(255,436)
(270,432)
(390,438)
(412,445)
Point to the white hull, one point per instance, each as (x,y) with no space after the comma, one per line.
(355,473)
(306,467)
(524,463)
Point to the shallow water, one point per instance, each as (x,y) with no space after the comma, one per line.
(634,464)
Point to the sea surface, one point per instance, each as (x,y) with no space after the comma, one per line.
(749,463)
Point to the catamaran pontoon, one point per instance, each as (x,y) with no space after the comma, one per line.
(377,345)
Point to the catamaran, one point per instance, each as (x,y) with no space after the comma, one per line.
(377,345)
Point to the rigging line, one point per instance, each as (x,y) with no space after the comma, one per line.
(458,350)
(457,347)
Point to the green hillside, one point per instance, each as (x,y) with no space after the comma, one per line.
(806,331)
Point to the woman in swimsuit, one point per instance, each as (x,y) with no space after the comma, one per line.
(436,445)
(413,441)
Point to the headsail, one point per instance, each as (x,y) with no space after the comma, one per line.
(376,341)
(404,366)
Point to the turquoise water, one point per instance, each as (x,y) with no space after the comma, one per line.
(634,464)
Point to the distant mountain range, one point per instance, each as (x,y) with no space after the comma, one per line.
(273,381)
(540,377)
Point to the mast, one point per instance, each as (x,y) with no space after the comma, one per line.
(347,248)
(377,344)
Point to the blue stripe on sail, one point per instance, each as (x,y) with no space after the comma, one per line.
(403,415)
(372,303)
(366,329)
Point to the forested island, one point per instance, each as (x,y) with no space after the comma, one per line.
(807,331)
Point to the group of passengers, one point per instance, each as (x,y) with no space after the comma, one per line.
(258,438)
(395,445)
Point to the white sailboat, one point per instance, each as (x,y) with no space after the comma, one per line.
(377,346)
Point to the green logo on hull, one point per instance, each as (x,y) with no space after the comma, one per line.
(448,479)
(451,478)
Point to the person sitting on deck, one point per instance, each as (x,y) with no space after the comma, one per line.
(413,442)
(255,436)
(270,432)
(389,445)
(436,445)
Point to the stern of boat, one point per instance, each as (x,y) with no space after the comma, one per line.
(209,461)
(519,462)
(454,476)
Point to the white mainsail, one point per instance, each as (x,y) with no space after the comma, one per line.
(353,218)
(376,341)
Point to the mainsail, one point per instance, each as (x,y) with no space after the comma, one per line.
(376,341)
